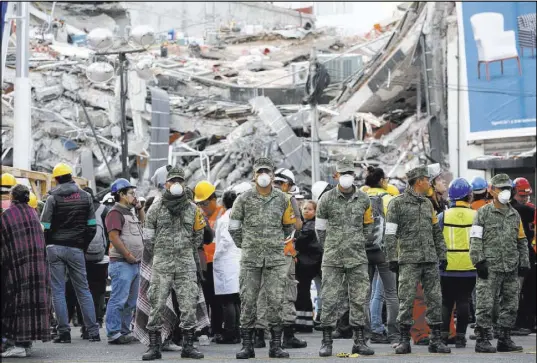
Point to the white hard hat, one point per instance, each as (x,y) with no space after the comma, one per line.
(159,178)
(317,189)
(242,187)
(108,198)
(435,170)
(284,175)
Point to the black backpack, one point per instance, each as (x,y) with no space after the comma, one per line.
(97,246)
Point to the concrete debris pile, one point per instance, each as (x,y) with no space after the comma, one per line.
(220,97)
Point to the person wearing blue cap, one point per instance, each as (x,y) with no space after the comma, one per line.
(480,192)
(458,280)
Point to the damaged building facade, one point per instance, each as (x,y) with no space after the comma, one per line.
(226,91)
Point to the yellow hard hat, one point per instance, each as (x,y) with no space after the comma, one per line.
(33,201)
(392,190)
(8,180)
(203,191)
(61,169)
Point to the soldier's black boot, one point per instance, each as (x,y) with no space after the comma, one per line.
(260,338)
(290,341)
(460,340)
(276,350)
(247,350)
(482,341)
(359,345)
(326,343)
(505,343)
(436,345)
(404,341)
(155,342)
(189,351)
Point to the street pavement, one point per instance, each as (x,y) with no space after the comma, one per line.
(83,351)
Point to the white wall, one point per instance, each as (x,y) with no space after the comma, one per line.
(353,18)
(196,17)
(458,107)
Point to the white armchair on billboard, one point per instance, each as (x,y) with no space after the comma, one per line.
(494,44)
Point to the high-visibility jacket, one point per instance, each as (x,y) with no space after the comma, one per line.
(457,225)
(210,248)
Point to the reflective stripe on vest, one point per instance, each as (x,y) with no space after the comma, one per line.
(457,224)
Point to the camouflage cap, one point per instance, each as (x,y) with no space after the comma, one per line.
(263,163)
(501,181)
(417,172)
(345,165)
(175,172)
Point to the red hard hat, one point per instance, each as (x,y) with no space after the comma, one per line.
(522,186)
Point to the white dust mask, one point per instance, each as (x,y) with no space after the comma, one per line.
(346,181)
(504,197)
(263,180)
(176,189)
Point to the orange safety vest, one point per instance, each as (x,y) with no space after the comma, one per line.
(211,247)
(479,203)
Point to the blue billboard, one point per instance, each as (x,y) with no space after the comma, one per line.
(499,43)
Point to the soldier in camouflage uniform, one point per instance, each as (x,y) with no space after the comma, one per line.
(260,221)
(344,218)
(283,183)
(173,227)
(498,249)
(414,247)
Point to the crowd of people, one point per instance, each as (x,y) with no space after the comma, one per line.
(185,265)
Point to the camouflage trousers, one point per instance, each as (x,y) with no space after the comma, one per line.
(268,281)
(409,276)
(335,283)
(186,288)
(290,293)
(501,289)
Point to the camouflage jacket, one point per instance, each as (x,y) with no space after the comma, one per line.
(498,236)
(342,225)
(173,239)
(259,225)
(412,231)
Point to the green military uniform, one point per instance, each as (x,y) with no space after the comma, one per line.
(498,238)
(342,223)
(290,289)
(173,227)
(414,239)
(259,225)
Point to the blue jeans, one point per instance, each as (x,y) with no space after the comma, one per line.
(377,300)
(70,259)
(125,283)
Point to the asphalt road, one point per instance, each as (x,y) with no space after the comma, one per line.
(83,351)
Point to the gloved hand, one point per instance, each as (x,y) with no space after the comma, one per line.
(289,248)
(482,268)
(522,271)
(393,266)
(442,265)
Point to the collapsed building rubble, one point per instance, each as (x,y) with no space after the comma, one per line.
(225,102)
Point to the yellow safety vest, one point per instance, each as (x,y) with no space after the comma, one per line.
(457,224)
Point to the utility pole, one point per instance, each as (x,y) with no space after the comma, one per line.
(315,153)
(22,130)
(123,106)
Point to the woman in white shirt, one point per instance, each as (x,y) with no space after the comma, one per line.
(226,270)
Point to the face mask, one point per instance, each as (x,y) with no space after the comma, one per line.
(346,181)
(504,196)
(263,180)
(176,189)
